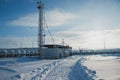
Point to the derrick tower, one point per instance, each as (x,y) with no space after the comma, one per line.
(40,7)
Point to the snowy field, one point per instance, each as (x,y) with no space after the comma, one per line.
(90,67)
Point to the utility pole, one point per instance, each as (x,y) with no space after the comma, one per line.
(40,6)
(20,44)
(63,43)
(104,40)
(104,44)
(32,43)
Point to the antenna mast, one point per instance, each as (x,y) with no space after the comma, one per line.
(40,6)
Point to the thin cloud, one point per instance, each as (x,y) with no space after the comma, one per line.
(85,26)
(90,39)
(30,20)
(83,39)
(59,18)
(53,18)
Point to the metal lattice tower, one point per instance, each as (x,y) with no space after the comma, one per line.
(40,6)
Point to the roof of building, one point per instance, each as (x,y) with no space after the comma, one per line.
(56,46)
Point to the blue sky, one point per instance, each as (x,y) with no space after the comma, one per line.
(81,23)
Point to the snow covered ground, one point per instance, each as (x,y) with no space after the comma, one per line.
(90,67)
(106,67)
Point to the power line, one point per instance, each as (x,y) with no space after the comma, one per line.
(50,33)
(48,28)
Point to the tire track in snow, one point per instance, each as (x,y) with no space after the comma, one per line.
(71,69)
(36,74)
(61,72)
(45,71)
